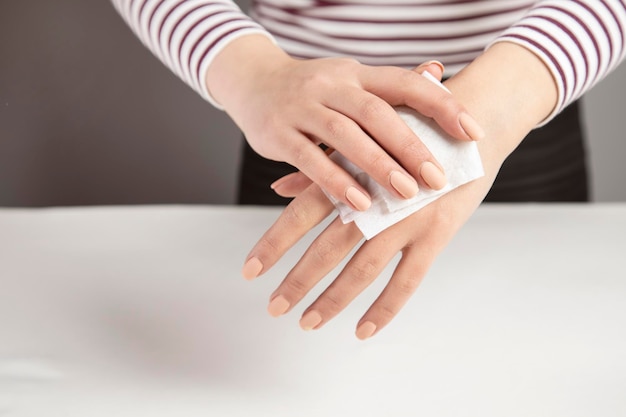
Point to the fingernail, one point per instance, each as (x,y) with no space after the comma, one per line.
(277,183)
(365,330)
(252,268)
(278,306)
(310,320)
(281,181)
(403,184)
(433,176)
(471,127)
(359,200)
(439,64)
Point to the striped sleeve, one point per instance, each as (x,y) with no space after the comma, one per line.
(186,35)
(580,41)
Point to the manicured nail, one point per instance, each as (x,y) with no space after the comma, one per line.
(281,181)
(471,127)
(403,184)
(359,200)
(252,268)
(433,176)
(278,306)
(439,64)
(365,330)
(310,320)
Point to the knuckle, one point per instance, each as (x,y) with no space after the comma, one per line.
(333,183)
(302,158)
(271,133)
(364,270)
(296,286)
(314,80)
(405,287)
(336,128)
(371,109)
(386,312)
(296,215)
(406,77)
(272,122)
(447,105)
(343,64)
(269,244)
(412,149)
(325,252)
(324,72)
(447,101)
(333,303)
(349,61)
(380,163)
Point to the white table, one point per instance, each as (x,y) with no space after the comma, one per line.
(140,311)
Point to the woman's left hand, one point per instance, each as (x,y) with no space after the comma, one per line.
(420,238)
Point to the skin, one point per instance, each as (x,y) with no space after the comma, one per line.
(509,91)
(286,107)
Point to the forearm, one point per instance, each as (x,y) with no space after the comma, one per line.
(187,35)
(580,42)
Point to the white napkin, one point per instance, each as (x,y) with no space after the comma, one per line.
(459,159)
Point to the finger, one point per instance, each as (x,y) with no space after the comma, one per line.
(339,128)
(301,215)
(362,269)
(291,184)
(324,254)
(356,115)
(395,145)
(407,276)
(402,87)
(315,164)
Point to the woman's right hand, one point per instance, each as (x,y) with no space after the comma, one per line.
(287,107)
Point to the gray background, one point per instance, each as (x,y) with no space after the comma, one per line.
(89,116)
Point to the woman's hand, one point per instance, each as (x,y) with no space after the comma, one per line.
(287,107)
(487,89)
(419,238)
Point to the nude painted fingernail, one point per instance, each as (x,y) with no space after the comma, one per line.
(433,176)
(252,268)
(406,186)
(439,64)
(282,180)
(365,330)
(278,183)
(471,127)
(310,320)
(359,200)
(278,306)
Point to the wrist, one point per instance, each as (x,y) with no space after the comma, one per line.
(509,91)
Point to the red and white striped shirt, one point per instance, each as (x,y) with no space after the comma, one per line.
(579,40)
